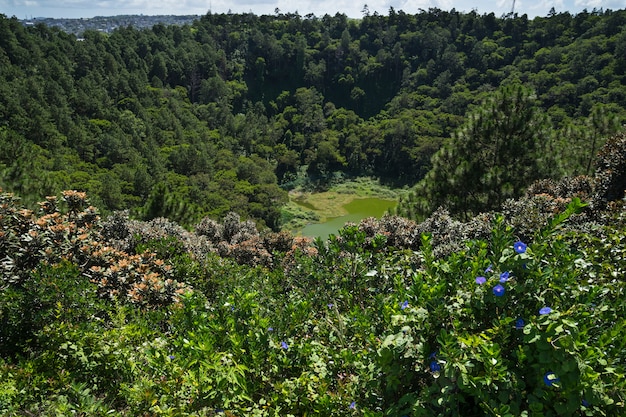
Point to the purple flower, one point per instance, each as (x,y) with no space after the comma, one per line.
(504,277)
(404,305)
(270,329)
(435,367)
(550,379)
(284,345)
(172,357)
(519,323)
(489,269)
(330,305)
(498,290)
(545,310)
(433,355)
(353,405)
(519,246)
(481,280)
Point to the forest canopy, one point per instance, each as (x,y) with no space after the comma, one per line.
(229,113)
(505,298)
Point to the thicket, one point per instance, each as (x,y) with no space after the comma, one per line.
(519,312)
(227,113)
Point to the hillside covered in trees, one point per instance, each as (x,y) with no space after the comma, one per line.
(505,298)
(512,313)
(229,113)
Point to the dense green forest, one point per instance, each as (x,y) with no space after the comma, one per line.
(159,282)
(227,114)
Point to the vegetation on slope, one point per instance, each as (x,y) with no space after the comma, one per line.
(225,114)
(513,313)
(518,311)
(316,206)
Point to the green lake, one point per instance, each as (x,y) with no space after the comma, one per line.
(357,209)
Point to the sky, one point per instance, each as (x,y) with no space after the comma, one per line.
(24,9)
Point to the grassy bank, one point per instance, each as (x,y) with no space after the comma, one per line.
(306,207)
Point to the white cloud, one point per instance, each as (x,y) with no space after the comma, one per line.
(589,3)
(599,4)
(352,8)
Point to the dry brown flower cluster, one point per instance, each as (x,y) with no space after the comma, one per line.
(28,239)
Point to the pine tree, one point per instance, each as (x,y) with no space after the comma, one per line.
(502,148)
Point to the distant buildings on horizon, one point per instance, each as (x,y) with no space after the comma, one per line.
(107,24)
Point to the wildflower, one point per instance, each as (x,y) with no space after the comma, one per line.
(481,280)
(353,405)
(330,305)
(172,357)
(545,310)
(489,269)
(585,403)
(404,305)
(284,345)
(435,367)
(519,246)
(519,323)
(433,355)
(270,329)
(498,290)
(504,277)
(550,379)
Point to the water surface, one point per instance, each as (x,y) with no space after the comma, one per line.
(357,209)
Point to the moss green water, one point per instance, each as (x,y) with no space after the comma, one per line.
(357,210)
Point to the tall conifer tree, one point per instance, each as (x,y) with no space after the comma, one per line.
(502,148)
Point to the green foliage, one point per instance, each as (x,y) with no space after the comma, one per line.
(370,322)
(503,147)
(129,317)
(212,117)
(610,175)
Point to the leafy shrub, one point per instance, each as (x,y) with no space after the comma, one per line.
(30,240)
(511,336)
(610,175)
(389,317)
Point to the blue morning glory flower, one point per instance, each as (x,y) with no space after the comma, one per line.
(489,269)
(550,379)
(353,405)
(545,310)
(519,246)
(481,280)
(284,345)
(172,357)
(498,290)
(435,367)
(404,305)
(585,403)
(433,355)
(504,277)
(519,323)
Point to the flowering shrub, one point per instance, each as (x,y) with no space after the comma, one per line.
(441,318)
(128,235)
(518,346)
(29,240)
